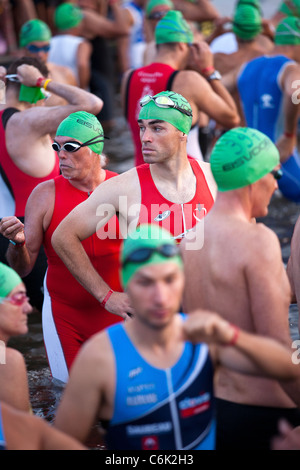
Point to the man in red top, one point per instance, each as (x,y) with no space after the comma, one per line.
(169,189)
(70,313)
(26,156)
(174,40)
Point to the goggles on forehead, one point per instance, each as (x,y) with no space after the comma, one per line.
(16,299)
(164,101)
(143,254)
(35,49)
(73,146)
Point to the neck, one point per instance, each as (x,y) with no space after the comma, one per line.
(12,101)
(169,58)
(175,170)
(234,203)
(90,182)
(283,50)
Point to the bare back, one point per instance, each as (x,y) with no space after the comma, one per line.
(237,274)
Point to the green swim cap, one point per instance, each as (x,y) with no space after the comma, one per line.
(247,22)
(67,16)
(175,117)
(288,32)
(173,28)
(241,157)
(34,30)
(151,4)
(146,236)
(290,7)
(83,126)
(9,279)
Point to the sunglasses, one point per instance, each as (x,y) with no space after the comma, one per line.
(35,49)
(73,146)
(16,299)
(277,174)
(143,254)
(164,102)
(156,15)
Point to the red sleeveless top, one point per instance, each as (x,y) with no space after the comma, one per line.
(21,184)
(177,218)
(147,80)
(103,251)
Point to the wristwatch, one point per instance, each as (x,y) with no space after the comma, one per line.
(215,75)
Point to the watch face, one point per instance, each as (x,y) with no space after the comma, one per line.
(215,76)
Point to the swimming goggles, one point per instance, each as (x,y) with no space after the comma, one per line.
(157,15)
(16,299)
(143,254)
(35,49)
(277,173)
(164,102)
(73,146)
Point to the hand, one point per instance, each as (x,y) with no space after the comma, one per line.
(201,56)
(220,27)
(203,326)
(288,438)
(118,303)
(286,147)
(13,229)
(3,72)
(28,74)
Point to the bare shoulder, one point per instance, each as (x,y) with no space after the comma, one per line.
(125,184)
(42,195)
(206,168)
(264,243)
(95,354)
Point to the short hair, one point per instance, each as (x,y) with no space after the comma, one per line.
(12,69)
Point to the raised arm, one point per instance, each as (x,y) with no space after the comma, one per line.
(43,120)
(210,97)
(201,10)
(98,25)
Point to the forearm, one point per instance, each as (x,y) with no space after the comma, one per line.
(19,259)
(202,11)
(72,253)
(271,358)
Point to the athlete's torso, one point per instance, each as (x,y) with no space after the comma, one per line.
(263,103)
(177,218)
(161,409)
(63,51)
(102,248)
(19,183)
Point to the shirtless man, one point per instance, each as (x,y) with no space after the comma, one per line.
(170,190)
(205,93)
(26,130)
(237,273)
(149,377)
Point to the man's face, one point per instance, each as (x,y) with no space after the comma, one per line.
(263,192)
(155,292)
(160,140)
(38,50)
(76,165)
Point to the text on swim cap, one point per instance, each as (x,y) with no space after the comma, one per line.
(89,125)
(246,158)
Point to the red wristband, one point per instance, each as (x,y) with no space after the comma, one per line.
(209,69)
(289,135)
(39,81)
(235,336)
(106,297)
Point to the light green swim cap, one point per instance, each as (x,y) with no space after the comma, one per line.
(146,236)
(173,28)
(83,126)
(288,32)
(290,7)
(67,16)
(247,22)
(175,117)
(9,279)
(241,157)
(151,4)
(34,30)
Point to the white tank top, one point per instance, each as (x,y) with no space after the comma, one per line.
(63,51)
